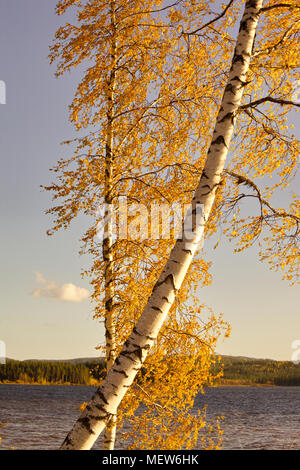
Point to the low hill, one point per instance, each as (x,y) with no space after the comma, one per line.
(236,370)
(79,360)
(242,370)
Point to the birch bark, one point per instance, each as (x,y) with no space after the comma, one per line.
(110,327)
(107,398)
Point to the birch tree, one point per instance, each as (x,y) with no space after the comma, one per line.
(108,91)
(271,48)
(120,377)
(141,147)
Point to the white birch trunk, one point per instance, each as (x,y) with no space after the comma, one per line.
(107,398)
(110,327)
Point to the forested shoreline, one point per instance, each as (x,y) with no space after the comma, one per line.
(258,372)
(235,372)
(50,372)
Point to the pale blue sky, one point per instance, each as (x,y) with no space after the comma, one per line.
(262,309)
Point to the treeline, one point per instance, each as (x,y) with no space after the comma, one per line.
(260,371)
(235,370)
(47,372)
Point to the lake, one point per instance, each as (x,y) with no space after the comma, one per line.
(39,417)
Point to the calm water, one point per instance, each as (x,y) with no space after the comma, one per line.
(254,417)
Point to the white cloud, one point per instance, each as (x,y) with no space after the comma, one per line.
(67,292)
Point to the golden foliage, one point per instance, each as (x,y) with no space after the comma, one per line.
(152,90)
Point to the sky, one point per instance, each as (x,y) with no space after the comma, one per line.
(45,312)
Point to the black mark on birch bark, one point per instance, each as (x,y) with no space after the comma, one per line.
(238,58)
(101,408)
(157,309)
(139,351)
(230,88)
(85,422)
(228,116)
(219,141)
(127,354)
(135,331)
(122,372)
(170,278)
(68,442)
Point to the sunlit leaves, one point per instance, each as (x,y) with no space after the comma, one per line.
(167,89)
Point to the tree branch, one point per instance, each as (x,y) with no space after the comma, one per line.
(285,36)
(244,180)
(211,21)
(280,101)
(278,5)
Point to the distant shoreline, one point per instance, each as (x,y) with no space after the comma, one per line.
(233,383)
(228,371)
(67,384)
(225,383)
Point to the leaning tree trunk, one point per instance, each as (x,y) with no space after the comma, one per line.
(110,326)
(107,398)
